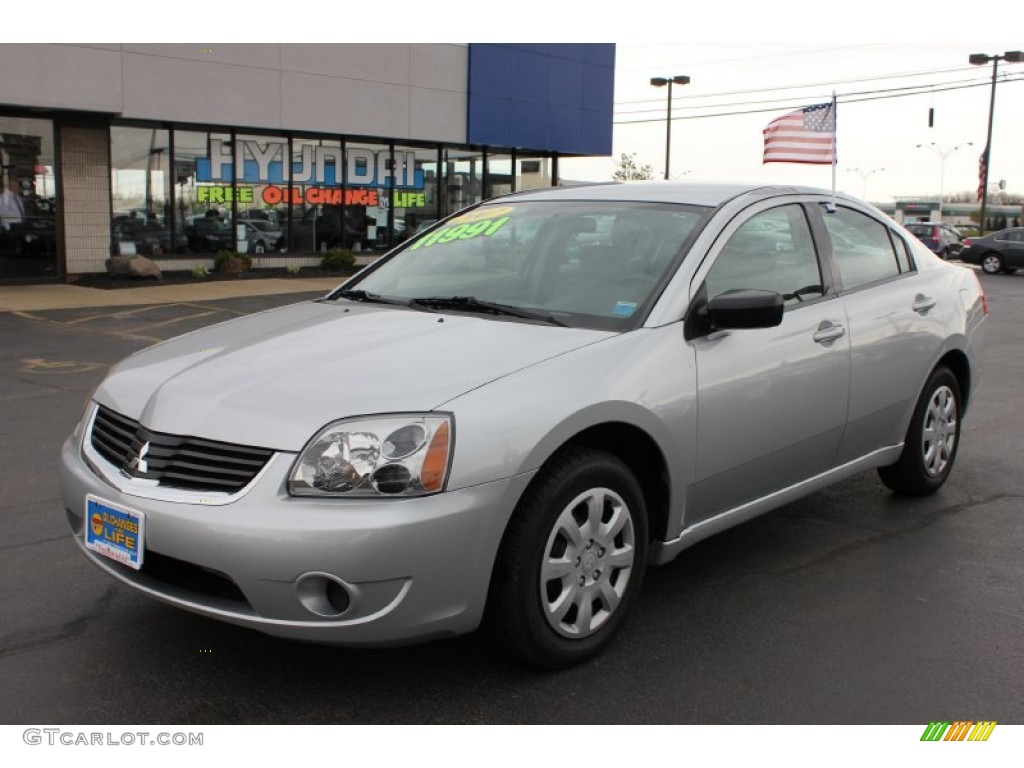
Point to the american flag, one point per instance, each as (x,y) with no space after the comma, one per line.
(805,136)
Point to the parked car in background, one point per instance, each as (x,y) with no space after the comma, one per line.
(209,234)
(146,237)
(263,236)
(943,239)
(999,252)
(505,419)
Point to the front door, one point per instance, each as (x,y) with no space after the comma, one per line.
(771,402)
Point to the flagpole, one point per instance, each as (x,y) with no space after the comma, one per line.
(835,153)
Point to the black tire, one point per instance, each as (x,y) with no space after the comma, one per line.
(992,263)
(517,617)
(925,463)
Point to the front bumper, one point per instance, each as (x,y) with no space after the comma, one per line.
(412,569)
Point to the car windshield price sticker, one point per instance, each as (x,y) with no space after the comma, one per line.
(114,531)
(483,222)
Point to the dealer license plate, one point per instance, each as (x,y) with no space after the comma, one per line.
(114,531)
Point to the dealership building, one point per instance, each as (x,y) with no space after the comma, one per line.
(178,152)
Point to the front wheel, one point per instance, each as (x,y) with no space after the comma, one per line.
(572,560)
(929,449)
(992,263)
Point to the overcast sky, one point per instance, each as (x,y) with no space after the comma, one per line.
(882,133)
(734,51)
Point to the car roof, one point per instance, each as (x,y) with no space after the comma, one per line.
(689,193)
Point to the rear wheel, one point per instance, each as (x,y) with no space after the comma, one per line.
(992,263)
(929,448)
(572,561)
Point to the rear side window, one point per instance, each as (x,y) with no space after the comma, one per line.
(863,249)
(903,254)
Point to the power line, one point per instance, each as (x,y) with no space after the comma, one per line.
(840,98)
(921,73)
(921,88)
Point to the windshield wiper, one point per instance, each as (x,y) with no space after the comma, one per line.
(373,298)
(473,304)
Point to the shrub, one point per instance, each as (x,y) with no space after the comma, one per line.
(232,263)
(337,260)
(293,270)
(200,272)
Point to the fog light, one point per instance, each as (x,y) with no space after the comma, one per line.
(323,594)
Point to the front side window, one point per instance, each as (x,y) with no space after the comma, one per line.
(596,264)
(771,251)
(862,247)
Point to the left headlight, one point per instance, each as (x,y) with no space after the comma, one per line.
(406,455)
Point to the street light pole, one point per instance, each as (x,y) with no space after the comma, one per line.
(864,175)
(935,148)
(658,82)
(978,59)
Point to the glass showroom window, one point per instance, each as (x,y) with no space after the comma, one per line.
(317,197)
(499,176)
(140,189)
(463,179)
(368,178)
(28,199)
(261,189)
(414,195)
(204,165)
(534,173)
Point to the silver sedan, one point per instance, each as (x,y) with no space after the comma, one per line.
(503,421)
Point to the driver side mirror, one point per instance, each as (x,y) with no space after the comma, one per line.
(745,308)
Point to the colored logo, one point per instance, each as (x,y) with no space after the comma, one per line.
(96,521)
(960,730)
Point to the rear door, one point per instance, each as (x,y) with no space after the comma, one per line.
(771,402)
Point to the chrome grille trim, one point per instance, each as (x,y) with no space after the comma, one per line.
(190,465)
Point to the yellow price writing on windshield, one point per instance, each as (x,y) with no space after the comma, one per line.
(479,214)
(462,231)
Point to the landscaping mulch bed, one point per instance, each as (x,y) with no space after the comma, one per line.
(110,282)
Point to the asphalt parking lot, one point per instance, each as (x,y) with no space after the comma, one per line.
(851,606)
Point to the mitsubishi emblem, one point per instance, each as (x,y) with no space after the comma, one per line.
(139,462)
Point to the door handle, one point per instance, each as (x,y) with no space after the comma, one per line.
(828,332)
(923,303)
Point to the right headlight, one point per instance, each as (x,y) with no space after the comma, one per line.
(405,455)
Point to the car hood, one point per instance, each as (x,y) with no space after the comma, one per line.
(275,378)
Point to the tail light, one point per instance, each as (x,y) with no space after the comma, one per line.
(966,242)
(981,291)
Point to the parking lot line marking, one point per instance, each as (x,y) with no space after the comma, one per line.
(29,316)
(167,322)
(40,365)
(119,313)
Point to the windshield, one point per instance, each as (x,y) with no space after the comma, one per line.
(588,264)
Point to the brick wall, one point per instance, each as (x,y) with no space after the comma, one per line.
(85,196)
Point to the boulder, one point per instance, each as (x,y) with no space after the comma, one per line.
(132,266)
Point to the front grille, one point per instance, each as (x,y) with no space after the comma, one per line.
(175,461)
